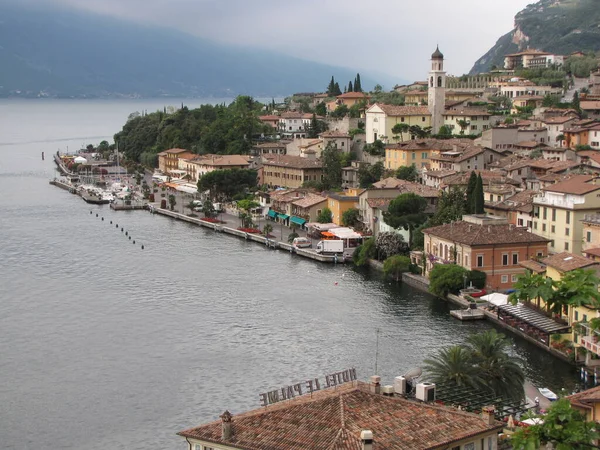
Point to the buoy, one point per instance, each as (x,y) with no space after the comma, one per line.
(134,242)
(103,219)
(111,222)
(90,212)
(142,247)
(336,283)
(121,229)
(126,233)
(129,237)
(117,225)
(96,214)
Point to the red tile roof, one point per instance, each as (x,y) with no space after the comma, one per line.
(565,262)
(472,234)
(353,95)
(592,251)
(296,162)
(393,110)
(333,419)
(577,185)
(404,186)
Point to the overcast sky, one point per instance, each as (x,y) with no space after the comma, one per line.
(395,37)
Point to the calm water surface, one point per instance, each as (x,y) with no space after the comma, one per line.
(107,346)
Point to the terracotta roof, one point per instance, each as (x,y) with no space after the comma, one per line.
(292,115)
(592,251)
(565,262)
(353,95)
(333,419)
(431,144)
(176,150)
(404,186)
(472,234)
(268,117)
(532,265)
(530,144)
(487,176)
(309,200)
(381,203)
(585,399)
(586,104)
(529,52)
(521,201)
(393,110)
(271,145)
(577,185)
(559,120)
(439,173)
(296,162)
(467,112)
(221,160)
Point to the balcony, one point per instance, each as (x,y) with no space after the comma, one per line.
(591,343)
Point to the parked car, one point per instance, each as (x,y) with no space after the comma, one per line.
(302,242)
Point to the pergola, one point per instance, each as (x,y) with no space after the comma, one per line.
(530,322)
(473,400)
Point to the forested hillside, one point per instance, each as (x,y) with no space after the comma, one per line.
(216,129)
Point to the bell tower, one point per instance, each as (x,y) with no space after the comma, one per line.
(436,92)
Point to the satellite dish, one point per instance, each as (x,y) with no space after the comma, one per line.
(415,372)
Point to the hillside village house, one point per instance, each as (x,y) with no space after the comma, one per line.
(516,207)
(169,159)
(591,108)
(418,151)
(582,132)
(341,141)
(340,202)
(270,120)
(484,243)
(513,90)
(381,118)
(560,209)
(201,165)
(291,171)
(270,148)
(435,178)
(352,416)
(588,403)
(531,59)
(307,209)
(554,126)
(506,136)
(349,99)
(591,236)
(477,120)
(526,101)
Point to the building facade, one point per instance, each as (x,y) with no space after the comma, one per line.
(291,171)
(436,98)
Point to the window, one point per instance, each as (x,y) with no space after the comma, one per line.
(588,236)
(515,260)
(401,119)
(535,225)
(545,213)
(414,155)
(374,136)
(504,279)
(566,246)
(491,197)
(552,229)
(520,222)
(540,254)
(585,317)
(467,260)
(566,231)
(552,243)
(568,217)
(424,155)
(553,215)
(544,227)
(514,277)
(422,119)
(505,259)
(473,127)
(479,260)
(576,316)
(197,447)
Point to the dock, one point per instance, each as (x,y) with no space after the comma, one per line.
(468,314)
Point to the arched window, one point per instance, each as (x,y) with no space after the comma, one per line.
(439,81)
(431,82)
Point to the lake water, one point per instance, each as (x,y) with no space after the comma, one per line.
(107,346)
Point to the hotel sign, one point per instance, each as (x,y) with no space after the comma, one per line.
(307,387)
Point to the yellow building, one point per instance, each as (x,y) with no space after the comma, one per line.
(339,203)
(419,152)
(381,118)
(588,403)
(169,159)
(291,171)
(560,209)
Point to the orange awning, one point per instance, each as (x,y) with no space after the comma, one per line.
(327,234)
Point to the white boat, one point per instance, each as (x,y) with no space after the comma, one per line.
(548,394)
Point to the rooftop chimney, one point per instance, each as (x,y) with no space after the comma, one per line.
(226,426)
(375,385)
(366,437)
(487,414)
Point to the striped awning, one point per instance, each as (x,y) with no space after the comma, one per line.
(297,220)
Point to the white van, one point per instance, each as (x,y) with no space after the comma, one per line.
(302,242)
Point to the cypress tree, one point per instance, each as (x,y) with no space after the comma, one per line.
(336,89)
(350,88)
(478,197)
(357,85)
(331,87)
(470,192)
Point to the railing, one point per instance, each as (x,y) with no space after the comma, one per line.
(590,343)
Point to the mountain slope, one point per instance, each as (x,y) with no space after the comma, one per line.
(556,26)
(68,53)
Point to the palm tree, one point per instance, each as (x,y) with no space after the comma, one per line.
(453,366)
(576,288)
(530,286)
(267,229)
(496,370)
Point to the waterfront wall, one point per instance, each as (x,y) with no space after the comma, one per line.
(250,237)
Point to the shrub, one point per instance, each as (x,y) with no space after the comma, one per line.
(477,278)
(446,279)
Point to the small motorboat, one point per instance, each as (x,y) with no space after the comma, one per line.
(548,394)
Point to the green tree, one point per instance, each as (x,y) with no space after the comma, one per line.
(357,83)
(406,211)
(409,173)
(172,201)
(331,87)
(576,104)
(293,235)
(350,87)
(364,252)
(576,288)
(400,129)
(313,128)
(350,217)
(367,175)
(453,366)
(340,112)
(321,109)
(325,216)
(446,279)
(563,426)
(208,208)
(336,89)
(451,206)
(389,243)
(531,286)
(191,205)
(267,229)
(332,167)
(463,124)
(228,183)
(496,369)
(478,203)
(471,186)
(395,266)
(445,131)
(247,205)
(377,148)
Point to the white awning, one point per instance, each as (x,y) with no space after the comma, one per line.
(496,298)
(345,233)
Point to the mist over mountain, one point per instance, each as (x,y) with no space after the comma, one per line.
(67,53)
(555,26)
